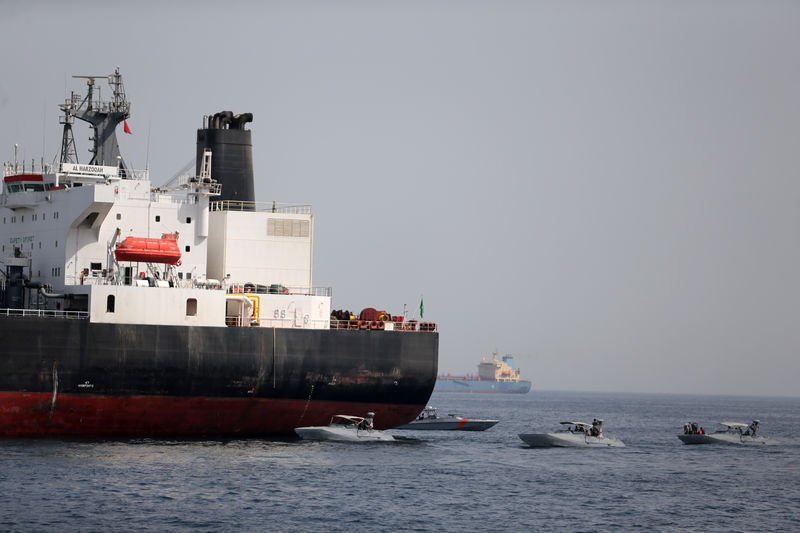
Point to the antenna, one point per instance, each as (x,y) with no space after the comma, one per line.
(147,159)
(44,129)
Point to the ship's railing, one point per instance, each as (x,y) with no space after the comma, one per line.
(71,170)
(251,288)
(44,313)
(280,323)
(274,207)
(20,167)
(410,325)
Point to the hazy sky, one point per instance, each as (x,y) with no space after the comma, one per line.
(607,190)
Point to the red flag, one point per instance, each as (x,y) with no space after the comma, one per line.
(127,129)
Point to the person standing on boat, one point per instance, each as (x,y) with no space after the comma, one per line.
(753,428)
(367,423)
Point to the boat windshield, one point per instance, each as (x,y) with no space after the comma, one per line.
(429,412)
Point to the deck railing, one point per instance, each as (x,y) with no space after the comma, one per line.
(251,288)
(44,313)
(273,207)
(410,325)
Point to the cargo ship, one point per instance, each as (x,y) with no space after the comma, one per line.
(188,309)
(493,376)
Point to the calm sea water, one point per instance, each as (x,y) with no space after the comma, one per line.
(429,481)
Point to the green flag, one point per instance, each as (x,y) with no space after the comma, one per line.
(421,308)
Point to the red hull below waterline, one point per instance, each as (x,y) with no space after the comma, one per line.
(25,414)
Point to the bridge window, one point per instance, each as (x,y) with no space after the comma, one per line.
(119,216)
(188,248)
(191,307)
(188,220)
(110,304)
(158,218)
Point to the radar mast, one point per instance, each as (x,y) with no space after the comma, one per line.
(102,116)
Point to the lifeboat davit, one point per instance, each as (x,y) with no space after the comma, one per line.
(163,250)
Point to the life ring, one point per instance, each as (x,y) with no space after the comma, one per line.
(178,263)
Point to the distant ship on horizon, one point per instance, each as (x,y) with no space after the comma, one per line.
(493,377)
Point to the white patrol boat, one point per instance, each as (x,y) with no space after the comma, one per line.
(734,433)
(346,428)
(429,419)
(575,435)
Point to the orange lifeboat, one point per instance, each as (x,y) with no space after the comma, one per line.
(163,250)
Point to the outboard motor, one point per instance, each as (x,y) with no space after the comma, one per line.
(231,155)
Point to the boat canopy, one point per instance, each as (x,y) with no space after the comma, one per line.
(734,424)
(346,419)
(576,423)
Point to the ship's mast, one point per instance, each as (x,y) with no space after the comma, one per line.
(103,117)
(69,154)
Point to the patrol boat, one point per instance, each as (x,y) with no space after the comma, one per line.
(574,435)
(429,419)
(130,310)
(734,433)
(346,428)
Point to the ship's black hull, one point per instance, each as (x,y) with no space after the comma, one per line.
(74,377)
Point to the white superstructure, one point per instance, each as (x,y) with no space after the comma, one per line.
(240,264)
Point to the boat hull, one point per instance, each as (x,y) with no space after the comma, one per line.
(342,434)
(450,424)
(61,377)
(726,438)
(569,440)
(482,386)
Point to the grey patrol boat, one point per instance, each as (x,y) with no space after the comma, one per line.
(429,419)
(575,435)
(734,433)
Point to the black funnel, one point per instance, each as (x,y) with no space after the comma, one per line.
(231,155)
